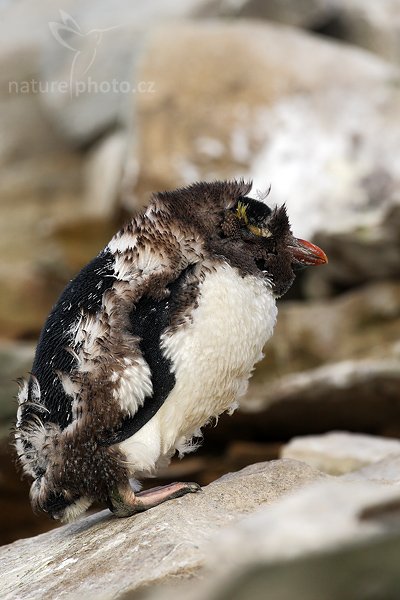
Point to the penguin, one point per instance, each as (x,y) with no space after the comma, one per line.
(153,339)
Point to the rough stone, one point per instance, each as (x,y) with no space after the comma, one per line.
(321,515)
(266,516)
(372,25)
(361,254)
(386,470)
(367,23)
(328,576)
(104,557)
(341,452)
(94,52)
(337,519)
(103,175)
(308,14)
(362,323)
(37,195)
(366,379)
(299,128)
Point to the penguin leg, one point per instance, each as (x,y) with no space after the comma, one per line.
(124,502)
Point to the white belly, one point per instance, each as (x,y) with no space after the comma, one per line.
(212,357)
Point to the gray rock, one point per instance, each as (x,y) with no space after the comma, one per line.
(363,253)
(241,522)
(104,557)
(38,195)
(367,23)
(367,380)
(319,516)
(307,14)
(373,564)
(386,470)
(341,452)
(295,120)
(93,54)
(336,518)
(372,25)
(362,323)
(103,175)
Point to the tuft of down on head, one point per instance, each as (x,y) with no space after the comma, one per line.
(69,424)
(245,232)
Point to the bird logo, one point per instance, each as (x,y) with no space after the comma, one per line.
(83,44)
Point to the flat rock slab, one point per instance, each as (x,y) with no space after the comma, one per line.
(341,452)
(101,556)
(347,531)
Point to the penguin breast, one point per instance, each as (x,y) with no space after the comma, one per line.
(212,357)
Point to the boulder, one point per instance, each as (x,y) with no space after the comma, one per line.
(103,172)
(340,452)
(295,120)
(365,23)
(362,323)
(359,395)
(321,515)
(313,544)
(91,53)
(308,14)
(328,575)
(372,25)
(265,517)
(386,470)
(361,254)
(103,557)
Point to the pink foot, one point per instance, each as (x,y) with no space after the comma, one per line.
(124,502)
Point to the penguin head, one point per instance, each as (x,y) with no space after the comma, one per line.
(246,232)
(257,220)
(266,234)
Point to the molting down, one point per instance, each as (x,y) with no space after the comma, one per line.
(153,338)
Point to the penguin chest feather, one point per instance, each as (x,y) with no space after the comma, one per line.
(155,337)
(212,357)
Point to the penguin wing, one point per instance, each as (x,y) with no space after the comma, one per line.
(149,319)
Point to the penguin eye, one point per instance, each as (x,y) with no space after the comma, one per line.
(260,231)
(242,215)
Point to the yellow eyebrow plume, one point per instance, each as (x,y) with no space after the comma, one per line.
(241,212)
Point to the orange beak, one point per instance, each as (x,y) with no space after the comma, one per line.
(307,254)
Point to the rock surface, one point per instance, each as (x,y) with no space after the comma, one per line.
(365,380)
(317,119)
(300,129)
(367,23)
(100,82)
(386,470)
(374,563)
(362,323)
(272,117)
(307,14)
(372,25)
(242,521)
(312,544)
(340,452)
(103,557)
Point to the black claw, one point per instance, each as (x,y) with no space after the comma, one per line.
(194,487)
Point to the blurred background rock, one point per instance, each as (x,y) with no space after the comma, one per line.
(102,103)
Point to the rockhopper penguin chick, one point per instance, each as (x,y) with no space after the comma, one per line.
(152,339)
